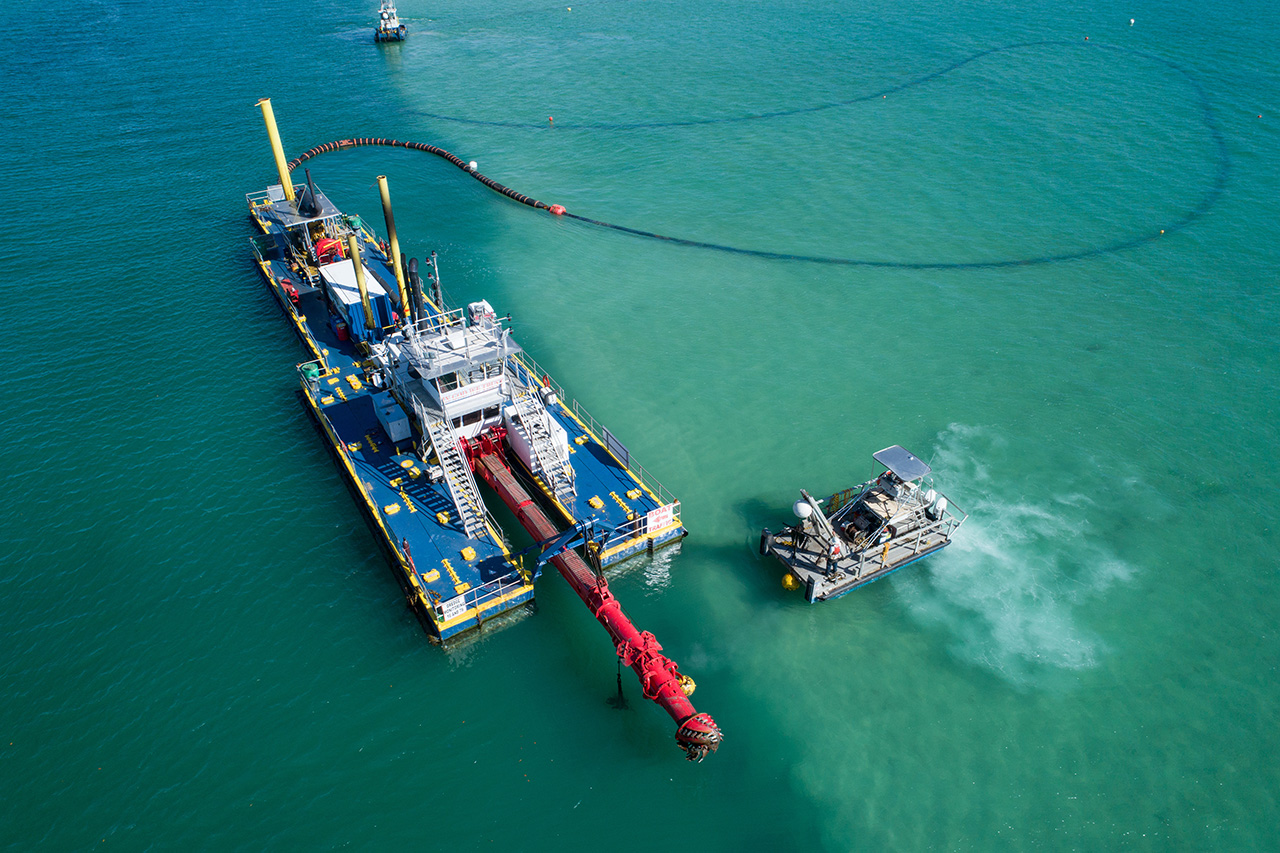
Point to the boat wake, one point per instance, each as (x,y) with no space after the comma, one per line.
(1012,586)
(657,570)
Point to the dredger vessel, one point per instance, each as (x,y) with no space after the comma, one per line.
(416,398)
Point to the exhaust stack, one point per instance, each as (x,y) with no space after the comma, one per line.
(276,148)
(415,282)
(309,204)
(406,307)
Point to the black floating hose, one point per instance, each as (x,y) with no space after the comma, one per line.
(420,146)
(1205,203)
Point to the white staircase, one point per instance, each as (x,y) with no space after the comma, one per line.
(552,457)
(457,473)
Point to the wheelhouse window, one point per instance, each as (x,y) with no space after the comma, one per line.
(447,382)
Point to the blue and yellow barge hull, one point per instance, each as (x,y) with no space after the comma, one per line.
(415,400)
(400,387)
(453,582)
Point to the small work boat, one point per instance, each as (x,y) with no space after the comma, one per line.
(389,27)
(861,534)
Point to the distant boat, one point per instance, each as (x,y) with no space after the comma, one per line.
(866,532)
(389,27)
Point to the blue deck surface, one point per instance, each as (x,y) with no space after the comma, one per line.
(379,464)
(624,500)
(430,555)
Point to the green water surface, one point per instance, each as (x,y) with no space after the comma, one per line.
(202,647)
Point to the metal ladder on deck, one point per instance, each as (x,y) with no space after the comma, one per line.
(553,462)
(457,473)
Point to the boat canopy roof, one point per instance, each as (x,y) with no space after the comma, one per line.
(902,463)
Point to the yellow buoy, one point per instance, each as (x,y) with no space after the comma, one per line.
(687,684)
(790,581)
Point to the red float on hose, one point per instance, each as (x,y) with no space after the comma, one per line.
(557,209)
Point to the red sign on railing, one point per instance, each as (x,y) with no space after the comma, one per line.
(656,519)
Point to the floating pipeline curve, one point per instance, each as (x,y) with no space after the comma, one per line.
(1206,202)
(814,108)
(340,144)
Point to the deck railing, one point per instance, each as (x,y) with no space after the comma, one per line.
(537,374)
(439,321)
(258,198)
(639,526)
(477,597)
(877,555)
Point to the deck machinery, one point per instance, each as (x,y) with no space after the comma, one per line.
(415,398)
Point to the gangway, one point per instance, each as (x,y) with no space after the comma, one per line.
(552,458)
(457,474)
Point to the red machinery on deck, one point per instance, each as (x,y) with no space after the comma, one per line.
(660,679)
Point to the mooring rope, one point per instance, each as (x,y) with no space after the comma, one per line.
(1206,202)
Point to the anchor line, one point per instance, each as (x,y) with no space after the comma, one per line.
(1205,203)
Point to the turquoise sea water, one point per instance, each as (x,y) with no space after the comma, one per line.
(200,643)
